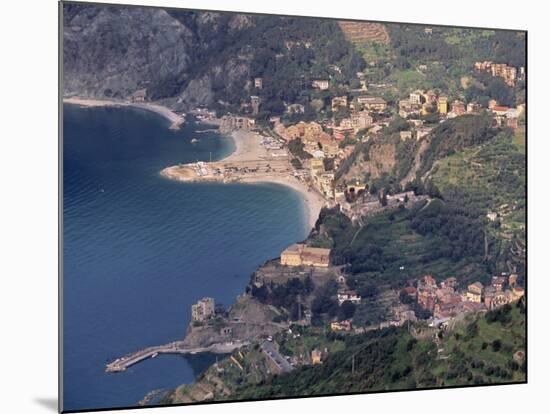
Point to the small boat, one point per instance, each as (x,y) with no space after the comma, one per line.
(154,355)
(194,141)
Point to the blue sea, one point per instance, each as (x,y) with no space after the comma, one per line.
(139,249)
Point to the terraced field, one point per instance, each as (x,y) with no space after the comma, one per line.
(406,252)
(364,32)
(493,175)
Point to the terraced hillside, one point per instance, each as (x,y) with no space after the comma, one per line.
(481,349)
(365,32)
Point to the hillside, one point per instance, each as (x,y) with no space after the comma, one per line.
(387,161)
(491,178)
(201,58)
(364,32)
(481,349)
(441,238)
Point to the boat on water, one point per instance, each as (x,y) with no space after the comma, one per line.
(154,355)
(194,141)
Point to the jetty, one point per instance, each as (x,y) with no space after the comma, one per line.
(177,347)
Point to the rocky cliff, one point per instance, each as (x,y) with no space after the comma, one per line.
(112,52)
(187,58)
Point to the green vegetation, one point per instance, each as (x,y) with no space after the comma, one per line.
(520,139)
(408,79)
(344,167)
(491,178)
(374,52)
(455,135)
(284,295)
(303,340)
(324,303)
(296,148)
(488,344)
(448,54)
(478,350)
(442,238)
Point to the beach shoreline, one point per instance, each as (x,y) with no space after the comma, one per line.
(313,201)
(248,149)
(176,121)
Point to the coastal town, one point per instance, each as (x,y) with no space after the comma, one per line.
(307,156)
(360,152)
(394,259)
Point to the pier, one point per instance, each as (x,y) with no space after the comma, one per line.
(123,363)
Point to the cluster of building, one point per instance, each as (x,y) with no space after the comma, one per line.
(324,141)
(348,127)
(322,179)
(509,74)
(504,115)
(422,102)
(361,108)
(355,202)
(298,254)
(320,145)
(425,102)
(316,141)
(232,122)
(443,300)
(204,114)
(272,144)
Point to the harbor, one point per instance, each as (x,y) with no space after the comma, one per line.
(123,363)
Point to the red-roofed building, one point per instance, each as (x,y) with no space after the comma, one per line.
(499,283)
(500,110)
(427,299)
(409,290)
(429,281)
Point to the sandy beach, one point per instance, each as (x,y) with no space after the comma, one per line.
(175,119)
(249,149)
(313,201)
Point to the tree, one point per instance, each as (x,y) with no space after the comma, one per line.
(405,298)
(328,163)
(368,291)
(502,93)
(296,163)
(347,310)
(296,148)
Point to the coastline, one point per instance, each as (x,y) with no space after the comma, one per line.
(313,201)
(175,119)
(248,149)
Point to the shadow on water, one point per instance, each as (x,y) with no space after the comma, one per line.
(201,362)
(48,403)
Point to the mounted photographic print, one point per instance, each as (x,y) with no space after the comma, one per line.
(259,206)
